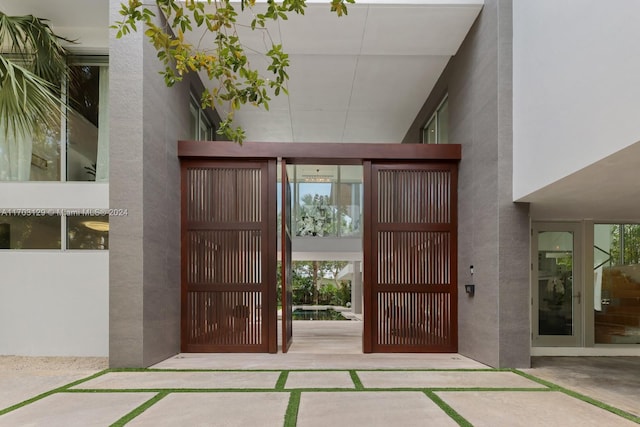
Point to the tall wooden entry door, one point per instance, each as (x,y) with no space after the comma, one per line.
(229,256)
(410,257)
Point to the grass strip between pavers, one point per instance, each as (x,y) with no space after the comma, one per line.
(300,389)
(294,400)
(291,415)
(448,409)
(50,392)
(191,370)
(173,390)
(579,396)
(282,380)
(356,380)
(140,409)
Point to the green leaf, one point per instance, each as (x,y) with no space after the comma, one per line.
(224,60)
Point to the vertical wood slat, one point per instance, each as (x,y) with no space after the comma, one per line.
(425,260)
(413,277)
(414,318)
(226,318)
(224,285)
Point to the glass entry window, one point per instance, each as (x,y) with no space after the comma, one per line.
(327,200)
(557,290)
(616,255)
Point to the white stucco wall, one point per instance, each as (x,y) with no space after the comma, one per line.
(68,195)
(54,303)
(576,91)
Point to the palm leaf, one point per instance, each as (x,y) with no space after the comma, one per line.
(32,65)
(33,43)
(26,100)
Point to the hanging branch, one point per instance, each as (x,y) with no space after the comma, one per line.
(225,62)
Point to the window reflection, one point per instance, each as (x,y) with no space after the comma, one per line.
(617,283)
(350,200)
(328,200)
(87,148)
(88,232)
(436,131)
(200,126)
(36,157)
(555,283)
(30,232)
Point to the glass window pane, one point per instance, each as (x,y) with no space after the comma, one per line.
(30,232)
(429,132)
(555,283)
(443,123)
(205,127)
(35,157)
(316,213)
(87,149)
(88,232)
(350,200)
(616,283)
(200,126)
(193,124)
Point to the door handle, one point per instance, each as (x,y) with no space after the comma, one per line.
(579,296)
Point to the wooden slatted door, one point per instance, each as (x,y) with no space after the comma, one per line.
(411,258)
(287,282)
(227,259)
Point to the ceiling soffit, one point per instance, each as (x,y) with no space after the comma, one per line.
(358,78)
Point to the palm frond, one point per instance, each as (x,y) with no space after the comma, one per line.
(26,100)
(32,41)
(32,66)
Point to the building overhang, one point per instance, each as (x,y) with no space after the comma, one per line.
(358,78)
(606,190)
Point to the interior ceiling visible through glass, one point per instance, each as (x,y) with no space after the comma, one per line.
(328,173)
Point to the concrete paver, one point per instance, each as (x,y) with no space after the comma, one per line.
(450,379)
(319,361)
(23,377)
(528,409)
(173,380)
(75,409)
(14,390)
(338,379)
(613,380)
(371,409)
(219,398)
(327,337)
(219,409)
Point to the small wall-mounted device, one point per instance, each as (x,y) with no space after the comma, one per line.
(470,289)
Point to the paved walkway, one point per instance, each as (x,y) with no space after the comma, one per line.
(356,390)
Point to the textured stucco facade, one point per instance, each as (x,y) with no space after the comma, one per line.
(493,232)
(147,119)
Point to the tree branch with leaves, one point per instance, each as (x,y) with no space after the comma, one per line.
(225,61)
